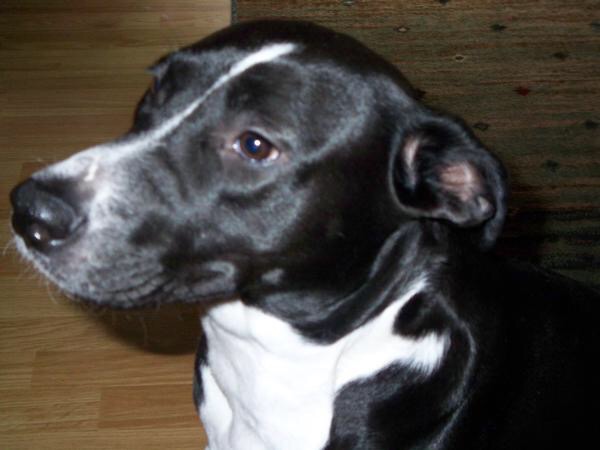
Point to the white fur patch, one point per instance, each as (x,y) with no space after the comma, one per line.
(268,388)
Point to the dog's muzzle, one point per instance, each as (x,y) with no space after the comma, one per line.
(41,216)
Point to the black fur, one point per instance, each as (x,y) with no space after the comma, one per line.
(201,360)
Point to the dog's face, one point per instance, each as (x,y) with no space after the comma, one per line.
(270,156)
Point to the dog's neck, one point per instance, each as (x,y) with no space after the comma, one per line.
(413,252)
(267,381)
(265,384)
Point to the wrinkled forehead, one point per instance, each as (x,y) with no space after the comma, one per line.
(296,83)
(280,84)
(190,76)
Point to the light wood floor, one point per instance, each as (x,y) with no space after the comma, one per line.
(70,75)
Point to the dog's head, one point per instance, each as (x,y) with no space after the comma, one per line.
(270,154)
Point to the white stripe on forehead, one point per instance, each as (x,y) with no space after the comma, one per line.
(265,54)
(88,160)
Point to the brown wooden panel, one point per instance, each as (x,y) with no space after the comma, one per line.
(101,368)
(526,75)
(105,439)
(49,409)
(144,407)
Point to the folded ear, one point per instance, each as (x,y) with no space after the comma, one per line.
(441,171)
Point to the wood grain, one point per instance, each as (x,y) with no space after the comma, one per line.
(526,75)
(71,73)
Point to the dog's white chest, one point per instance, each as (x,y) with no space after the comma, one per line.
(264,386)
(267,388)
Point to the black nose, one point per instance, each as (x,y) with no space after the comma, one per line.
(42,214)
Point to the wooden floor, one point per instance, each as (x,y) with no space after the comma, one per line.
(70,75)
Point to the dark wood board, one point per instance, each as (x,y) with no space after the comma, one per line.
(525,75)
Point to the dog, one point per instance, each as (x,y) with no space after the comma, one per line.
(341,234)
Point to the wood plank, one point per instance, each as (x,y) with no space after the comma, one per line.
(16,370)
(144,407)
(49,409)
(74,439)
(114,367)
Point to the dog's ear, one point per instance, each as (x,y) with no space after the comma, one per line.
(441,171)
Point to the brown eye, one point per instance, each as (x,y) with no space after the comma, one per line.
(254,146)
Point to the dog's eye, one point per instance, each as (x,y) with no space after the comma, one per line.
(254,146)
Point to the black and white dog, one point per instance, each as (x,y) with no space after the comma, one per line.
(340,231)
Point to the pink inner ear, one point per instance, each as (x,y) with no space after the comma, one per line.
(409,152)
(462,180)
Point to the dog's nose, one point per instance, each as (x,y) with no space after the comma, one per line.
(41,215)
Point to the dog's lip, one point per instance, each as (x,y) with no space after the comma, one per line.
(39,259)
(43,262)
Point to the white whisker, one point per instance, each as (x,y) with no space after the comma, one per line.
(9,244)
(50,294)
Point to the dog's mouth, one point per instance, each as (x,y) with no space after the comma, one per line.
(71,271)
(127,279)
